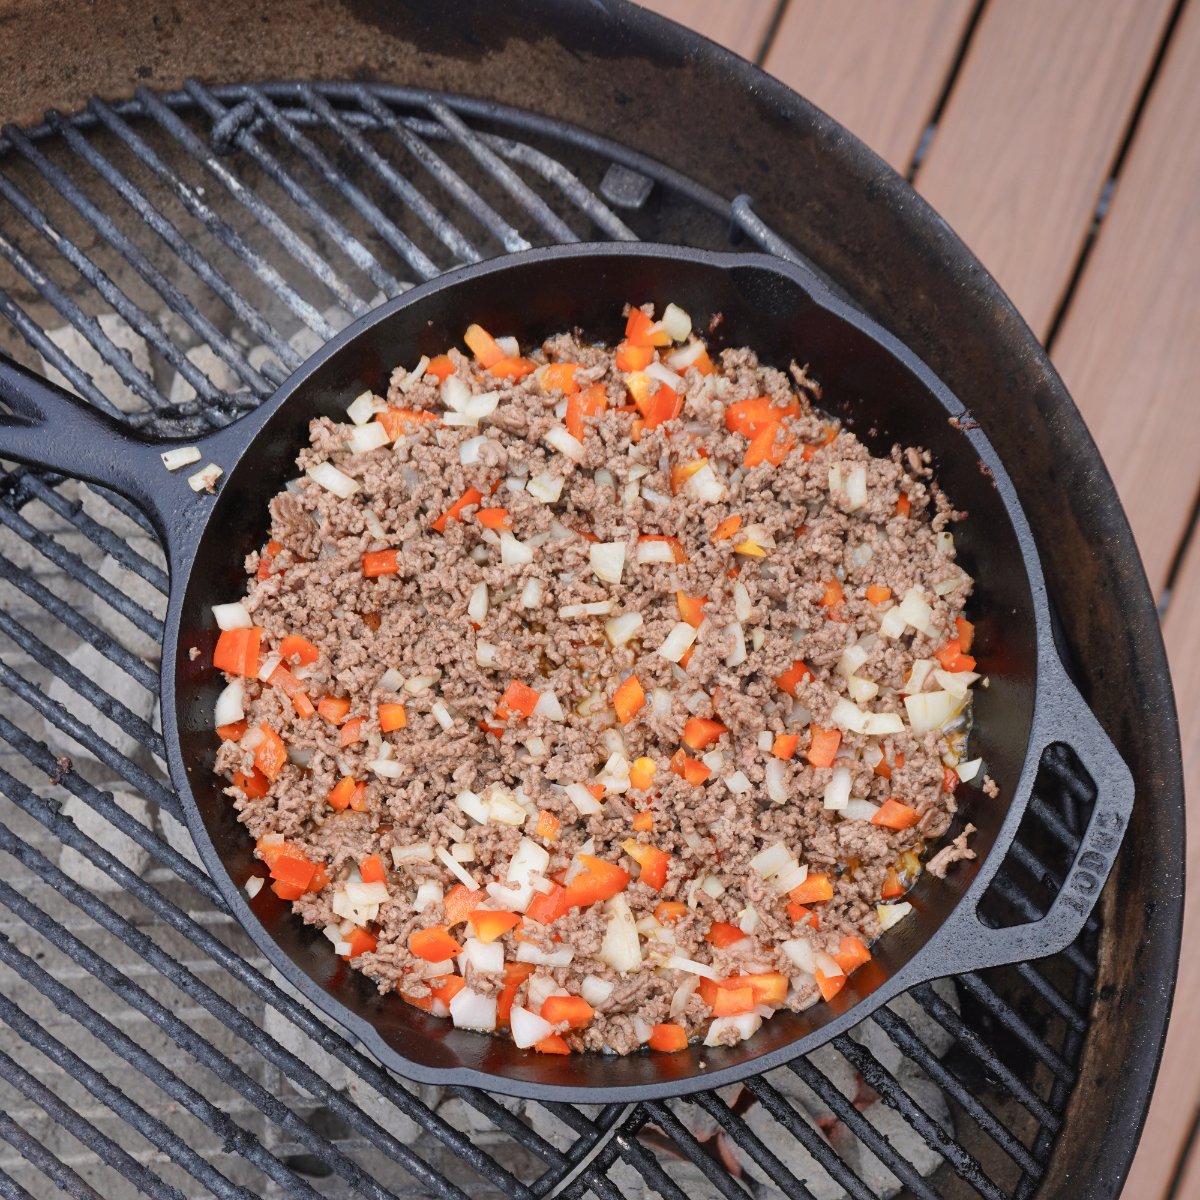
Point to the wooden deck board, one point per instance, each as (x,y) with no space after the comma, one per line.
(877,66)
(738,25)
(1177,1092)
(1128,348)
(1030,131)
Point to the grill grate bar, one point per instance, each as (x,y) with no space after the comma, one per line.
(57,1172)
(937,1136)
(246,974)
(1052,996)
(134,316)
(950,1021)
(148,1126)
(862,1129)
(1051,879)
(512,183)
(186,1038)
(441,171)
(1015,1024)
(116,547)
(625,1142)
(74,566)
(1008,891)
(10,1189)
(236,125)
(901,1033)
(95,695)
(107,228)
(685,1142)
(73,727)
(752,1144)
(84,1132)
(216,225)
(748,221)
(77,623)
(88,326)
(446,232)
(141,205)
(812,1141)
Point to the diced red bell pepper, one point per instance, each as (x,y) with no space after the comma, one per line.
(547,826)
(380,562)
(298,650)
(823,746)
(392,717)
(547,907)
(270,754)
(851,955)
(829,985)
(690,769)
(512,368)
(489,924)
(793,677)
(784,746)
(350,732)
(372,869)
(518,698)
(575,1010)
(360,942)
(629,699)
(232,732)
(583,406)
(255,785)
(560,377)
(441,366)
(723,935)
(237,651)
(334,708)
(515,974)
(653,861)
(397,422)
(667,912)
(699,732)
(814,890)
(691,608)
(640,331)
(471,496)
(552,1045)
(895,814)
(459,902)
(802,916)
(599,880)
(485,347)
(668,1038)
(342,793)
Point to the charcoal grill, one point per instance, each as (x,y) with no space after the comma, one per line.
(172,254)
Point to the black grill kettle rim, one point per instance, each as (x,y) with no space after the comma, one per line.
(874,383)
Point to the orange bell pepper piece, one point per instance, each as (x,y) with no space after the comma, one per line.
(255,785)
(895,814)
(699,732)
(668,1038)
(334,709)
(490,924)
(634,358)
(233,731)
(641,773)
(677,550)
(433,944)
(380,562)
(793,677)
(515,974)
(270,754)
(360,942)
(518,698)
(823,746)
(298,650)
(599,880)
(460,901)
(814,890)
(341,793)
(397,422)
(691,769)
(691,608)
(372,870)
(784,746)
(547,826)
(552,1045)
(485,347)
(237,651)
(546,907)
(802,916)
(350,732)
(512,368)
(575,1010)
(629,699)
(643,822)
(727,528)
(829,985)
(722,935)
(877,595)
(559,377)
(966,633)
(654,862)
(582,406)
(640,331)
(667,912)
(851,955)
(470,497)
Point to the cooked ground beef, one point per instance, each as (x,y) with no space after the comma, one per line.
(421,626)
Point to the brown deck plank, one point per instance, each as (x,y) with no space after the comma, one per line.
(1177,1092)
(738,25)
(877,66)
(1030,131)
(1128,349)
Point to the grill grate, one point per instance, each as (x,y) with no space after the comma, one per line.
(171,258)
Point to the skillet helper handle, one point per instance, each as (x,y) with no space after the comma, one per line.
(43,425)
(1069,721)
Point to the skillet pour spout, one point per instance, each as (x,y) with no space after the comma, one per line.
(873,383)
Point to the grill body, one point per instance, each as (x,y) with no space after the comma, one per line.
(825,196)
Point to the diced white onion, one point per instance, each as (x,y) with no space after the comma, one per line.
(483,956)
(737,783)
(359,893)
(559,957)
(180,456)
(413,852)
(957,683)
(557,438)
(268,665)
(504,809)
(620,629)
(205,479)
(828,965)
(232,616)
(714,760)
(532,593)
(915,610)
(660,702)
(852,658)
(621,948)
(469,452)
(859,810)
(415,376)
(861,690)
(527,1028)
(741,601)
(800,951)
(456,869)
(746,1025)
(766,739)
(677,642)
(703,485)
(678,963)
(837,790)
(486,655)
(596,608)
(230,703)
(792,876)
(548,706)
(363,407)
(943,587)
(889,914)
(326,475)
(654,552)
(469,1009)
(945,543)
(685,356)
(455,392)
(387,768)
(658,499)
(596,990)
(856,488)
(584,801)
(676,323)
(968,770)
(514,553)
(441,714)
(656,370)
(737,655)
(365,438)
(416,684)
(748,920)
(528,860)
(472,805)
(254,885)
(932,710)
(917,676)
(776,780)
(713,886)
(428,894)
(892,623)
(882,724)
(545,487)
(608,560)
(480,406)
(847,715)
(477,606)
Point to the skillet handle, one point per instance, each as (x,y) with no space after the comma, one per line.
(1066,719)
(44,426)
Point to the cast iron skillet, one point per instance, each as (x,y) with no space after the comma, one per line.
(881,391)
